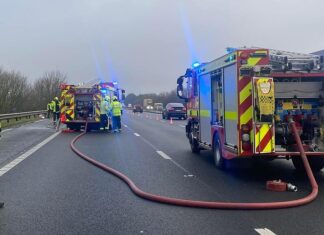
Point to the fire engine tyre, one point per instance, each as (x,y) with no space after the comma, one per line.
(316,163)
(194,145)
(219,161)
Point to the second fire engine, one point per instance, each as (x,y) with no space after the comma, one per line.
(240,105)
(81,103)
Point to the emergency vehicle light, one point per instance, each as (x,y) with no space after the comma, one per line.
(230,58)
(196,64)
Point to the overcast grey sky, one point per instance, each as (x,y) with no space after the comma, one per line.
(146,44)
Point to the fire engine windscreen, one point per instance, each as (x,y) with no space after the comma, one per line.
(300,100)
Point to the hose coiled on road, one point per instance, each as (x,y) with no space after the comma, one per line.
(211,204)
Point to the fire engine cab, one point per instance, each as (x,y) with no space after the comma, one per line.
(240,105)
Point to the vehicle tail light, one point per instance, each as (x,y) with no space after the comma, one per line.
(184,109)
(171,109)
(246,142)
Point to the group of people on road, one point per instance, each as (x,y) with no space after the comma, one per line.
(53,110)
(110,110)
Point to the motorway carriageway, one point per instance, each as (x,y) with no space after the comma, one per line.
(52,191)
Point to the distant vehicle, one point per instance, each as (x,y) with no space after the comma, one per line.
(147,103)
(158,106)
(149,107)
(137,109)
(129,106)
(174,110)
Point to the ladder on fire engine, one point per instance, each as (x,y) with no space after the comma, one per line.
(284,60)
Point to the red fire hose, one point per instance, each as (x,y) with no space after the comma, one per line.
(211,204)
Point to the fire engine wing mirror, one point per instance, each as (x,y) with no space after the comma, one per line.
(180,92)
(123,95)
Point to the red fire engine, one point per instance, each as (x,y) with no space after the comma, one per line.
(240,105)
(81,103)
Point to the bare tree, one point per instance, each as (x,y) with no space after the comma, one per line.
(12,91)
(17,95)
(47,87)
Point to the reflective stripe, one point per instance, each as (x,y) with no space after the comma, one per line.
(204,113)
(229,115)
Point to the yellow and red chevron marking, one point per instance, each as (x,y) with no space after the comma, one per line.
(62,98)
(245,95)
(97,98)
(69,115)
(97,118)
(264,138)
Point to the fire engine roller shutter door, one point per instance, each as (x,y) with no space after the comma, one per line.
(205,108)
(230,105)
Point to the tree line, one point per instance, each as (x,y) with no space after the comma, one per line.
(18,94)
(163,97)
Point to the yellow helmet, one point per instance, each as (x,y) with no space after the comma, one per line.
(115,98)
(55,98)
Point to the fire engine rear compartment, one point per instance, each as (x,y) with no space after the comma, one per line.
(299,99)
(84,109)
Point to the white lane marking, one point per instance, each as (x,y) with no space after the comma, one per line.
(40,120)
(182,126)
(125,126)
(6,130)
(164,155)
(162,121)
(264,231)
(22,157)
(136,134)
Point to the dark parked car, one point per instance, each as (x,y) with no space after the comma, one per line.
(174,110)
(137,109)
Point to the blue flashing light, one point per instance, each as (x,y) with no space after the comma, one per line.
(104,91)
(230,49)
(196,64)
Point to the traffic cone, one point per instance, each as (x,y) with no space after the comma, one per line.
(171,121)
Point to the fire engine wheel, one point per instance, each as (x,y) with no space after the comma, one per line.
(316,163)
(220,162)
(194,145)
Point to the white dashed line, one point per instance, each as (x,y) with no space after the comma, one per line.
(264,231)
(39,120)
(162,154)
(182,126)
(6,130)
(22,157)
(136,134)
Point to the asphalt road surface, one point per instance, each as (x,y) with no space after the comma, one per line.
(53,191)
